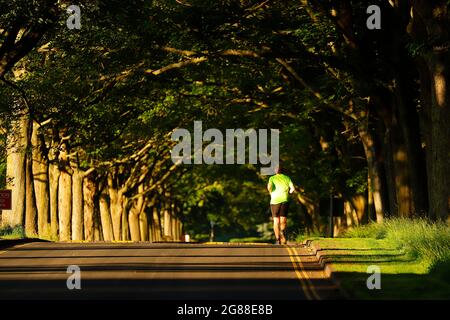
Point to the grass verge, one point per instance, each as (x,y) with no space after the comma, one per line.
(12,233)
(248,240)
(413,257)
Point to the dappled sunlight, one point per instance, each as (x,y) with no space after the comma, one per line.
(206,149)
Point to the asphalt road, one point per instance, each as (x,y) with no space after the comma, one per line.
(38,270)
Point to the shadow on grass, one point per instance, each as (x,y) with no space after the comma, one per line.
(434,285)
(442,270)
(406,286)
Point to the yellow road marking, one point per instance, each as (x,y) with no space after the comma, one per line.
(303,284)
(305,275)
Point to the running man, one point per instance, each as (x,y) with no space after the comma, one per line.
(279,187)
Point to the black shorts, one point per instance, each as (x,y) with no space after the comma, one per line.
(279,209)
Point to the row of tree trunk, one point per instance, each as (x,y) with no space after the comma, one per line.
(53,198)
(406,142)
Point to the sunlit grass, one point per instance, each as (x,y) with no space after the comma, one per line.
(419,238)
(8,232)
(413,256)
(248,240)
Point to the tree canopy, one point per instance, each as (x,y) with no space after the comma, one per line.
(361,112)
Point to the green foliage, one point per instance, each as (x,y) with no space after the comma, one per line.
(230,196)
(372,230)
(415,48)
(358,182)
(8,232)
(97,87)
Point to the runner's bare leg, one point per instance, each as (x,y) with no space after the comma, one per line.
(276,227)
(282,230)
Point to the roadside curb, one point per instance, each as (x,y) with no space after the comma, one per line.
(327,266)
(8,243)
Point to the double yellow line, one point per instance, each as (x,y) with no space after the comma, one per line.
(305,282)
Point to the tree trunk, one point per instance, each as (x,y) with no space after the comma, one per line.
(125,225)
(15,171)
(157,232)
(374,172)
(143,225)
(180,224)
(116,214)
(41,180)
(431,26)
(174,229)
(133,218)
(89,189)
(416,165)
(98,230)
(181,231)
(403,192)
(54,174)
(31,227)
(65,195)
(77,205)
(65,205)
(167,224)
(105,215)
(151,229)
(116,207)
(389,170)
(370,206)
(395,157)
(178,230)
(174,214)
(439,65)
(425,120)
(411,196)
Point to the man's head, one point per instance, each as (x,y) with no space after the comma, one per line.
(279,169)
